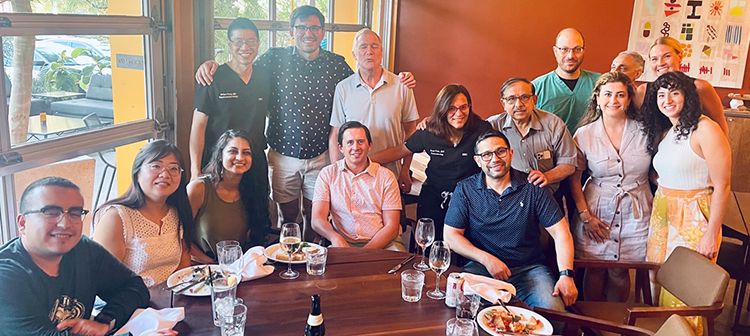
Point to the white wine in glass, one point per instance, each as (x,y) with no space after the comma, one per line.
(290,241)
(440,260)
(424,235)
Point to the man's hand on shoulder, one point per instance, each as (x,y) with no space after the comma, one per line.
(205,73)
(407,78)
(84,327)
(567,287)
(498,269)
(538,178)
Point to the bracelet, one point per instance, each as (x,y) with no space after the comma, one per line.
(581,212)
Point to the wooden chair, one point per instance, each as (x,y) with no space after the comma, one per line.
(735,259)
(674,325)
(689,276)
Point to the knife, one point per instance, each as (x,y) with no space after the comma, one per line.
(397,267)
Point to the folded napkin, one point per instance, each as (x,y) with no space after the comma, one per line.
(251,264)
(146,322)
(488,288)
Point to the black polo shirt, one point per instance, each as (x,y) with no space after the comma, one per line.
(507,225)
(448,164)
(229,103)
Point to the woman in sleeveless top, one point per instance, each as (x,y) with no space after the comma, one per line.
(615,204)
(229,201)
(146,227)
(692,159)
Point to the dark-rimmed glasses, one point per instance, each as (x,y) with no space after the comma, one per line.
(239,42)
(463,108)
(304,29)
(501,153)
(157,168)
(523,98)
(53,214)
(564,50)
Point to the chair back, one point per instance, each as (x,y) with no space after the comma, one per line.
(693,278)
(92,121)
(675,326)
(100,87)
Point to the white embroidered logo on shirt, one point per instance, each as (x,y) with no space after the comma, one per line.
(521,204)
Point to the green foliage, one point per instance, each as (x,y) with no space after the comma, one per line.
(58,77)
(100,63)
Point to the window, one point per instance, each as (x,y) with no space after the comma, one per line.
(84,87)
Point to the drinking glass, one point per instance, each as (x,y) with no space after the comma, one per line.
(440,260)
(315,259)
(412,282)
(467,305)
(424,234)
(223,296)
(461,327)
(233,323)
(228,253)
(290,241)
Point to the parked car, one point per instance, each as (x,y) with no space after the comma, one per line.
(98,48)
(46,53)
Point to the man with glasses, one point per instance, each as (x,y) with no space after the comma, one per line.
(566,90)
(304,78)
(51,274)
(545,149)
(494,220)
(630,63)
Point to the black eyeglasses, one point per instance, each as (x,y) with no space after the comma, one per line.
(523,98)
(575,50)
(239,42)
(304,29)
(157,168)
(501,153)
(53,214)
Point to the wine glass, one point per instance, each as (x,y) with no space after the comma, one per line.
(440,260)
(290,241)
(424,234)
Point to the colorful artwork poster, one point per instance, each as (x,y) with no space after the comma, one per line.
(715,35)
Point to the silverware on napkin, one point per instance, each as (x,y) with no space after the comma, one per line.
(397,267)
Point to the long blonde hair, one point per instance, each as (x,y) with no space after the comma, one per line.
(667,41)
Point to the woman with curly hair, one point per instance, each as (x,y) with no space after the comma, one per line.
(693,160)
(615,204)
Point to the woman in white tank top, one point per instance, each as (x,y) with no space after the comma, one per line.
(693,160)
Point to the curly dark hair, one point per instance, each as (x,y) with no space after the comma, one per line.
(655,122)
(593,113)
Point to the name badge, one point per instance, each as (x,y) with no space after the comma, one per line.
(226,95)
(437,152)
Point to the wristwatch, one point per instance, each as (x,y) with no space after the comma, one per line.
(569,273)
(108,320)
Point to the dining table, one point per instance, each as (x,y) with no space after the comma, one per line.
(358,297)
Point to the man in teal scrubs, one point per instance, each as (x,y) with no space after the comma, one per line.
(566,90)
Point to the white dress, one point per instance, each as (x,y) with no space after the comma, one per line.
(151,251)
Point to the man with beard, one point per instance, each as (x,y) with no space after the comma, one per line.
(630,63)
(546,150)
(566,90)
(361,196)
(493,220)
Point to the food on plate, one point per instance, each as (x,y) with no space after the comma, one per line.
(298,255)
(502,321)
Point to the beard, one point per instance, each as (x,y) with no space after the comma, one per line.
(496,175)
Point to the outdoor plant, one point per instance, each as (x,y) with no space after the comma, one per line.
(60,77)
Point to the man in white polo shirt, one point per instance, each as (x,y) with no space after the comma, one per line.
(361,196)
(376,98)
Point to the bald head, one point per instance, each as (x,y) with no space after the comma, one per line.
(569,51)
(568,34)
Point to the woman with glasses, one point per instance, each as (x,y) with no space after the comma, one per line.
(449,137)
(146,228)
(615,204)
(227,201)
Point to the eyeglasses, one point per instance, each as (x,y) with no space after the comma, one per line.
(157,168)
(304,29)
(53,214)
(501,153)
(575,50)
(523,98)
(239,42)
(464,108)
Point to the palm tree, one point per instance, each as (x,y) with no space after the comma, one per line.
(20,95)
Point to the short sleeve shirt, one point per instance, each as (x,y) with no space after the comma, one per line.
(301,100)
(556,97)
(229,103)
(507,225)
(546,145)
(357,201)
(383,110)
(448,164)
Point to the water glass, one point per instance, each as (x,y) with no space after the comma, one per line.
(233,324)
(461,327)
(228,253)
(316,260)
(412,282)
(467,305)
(223,296)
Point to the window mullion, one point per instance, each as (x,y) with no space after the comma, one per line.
(70,24)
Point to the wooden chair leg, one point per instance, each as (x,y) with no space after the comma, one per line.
(736,292)
(710,325)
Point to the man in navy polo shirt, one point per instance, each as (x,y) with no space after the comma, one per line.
(493,219)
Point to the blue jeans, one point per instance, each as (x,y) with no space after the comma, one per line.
(534,284)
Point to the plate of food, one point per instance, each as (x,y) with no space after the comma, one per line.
(275,253)
(193,274)
(495,321)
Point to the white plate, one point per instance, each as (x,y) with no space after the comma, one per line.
(275,249)
(546,326)
(184,274)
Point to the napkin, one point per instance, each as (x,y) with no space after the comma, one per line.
(148,321)
(487,288)
(251,264)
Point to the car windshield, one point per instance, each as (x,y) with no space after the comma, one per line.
(53,51)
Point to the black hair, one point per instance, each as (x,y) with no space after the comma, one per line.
(242,23)
(52,181)
(437,123)
(350,125)
(655,122)
(515,80)
(304,12)
(134,197)
(490,134)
